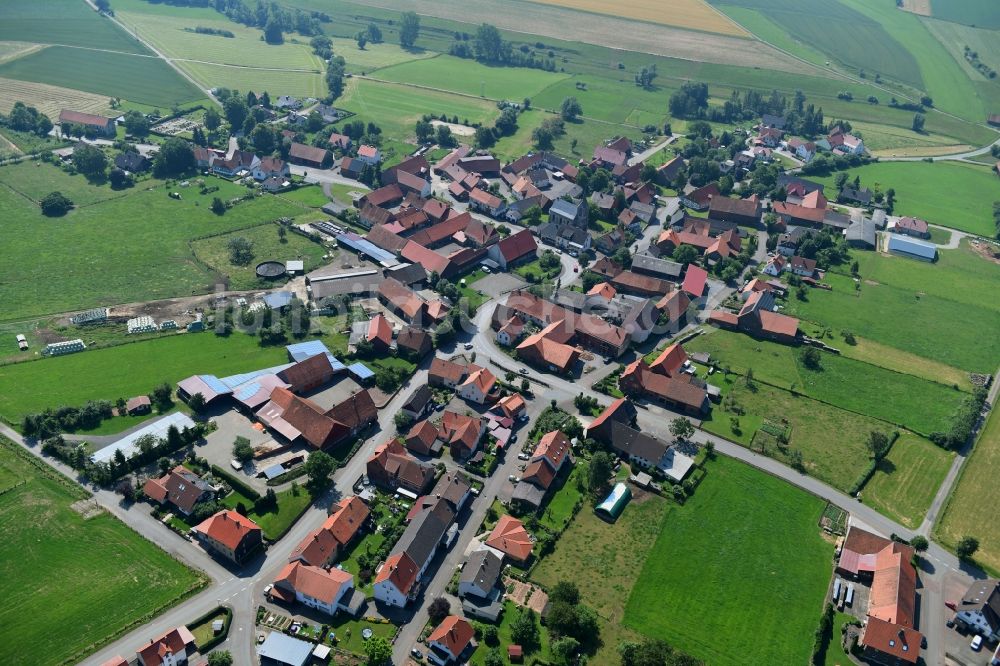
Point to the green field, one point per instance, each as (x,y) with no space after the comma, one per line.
(912,306)
(125,249)
(951,194)
(981,13)
(766,593)
(68,22)
(267,245)
(843,382)
(471,78)
(907,479)
(143,79)
(274,522)
(971,509)
(620,548)
(832,441)
(396,108)
(126,370)
(88,580)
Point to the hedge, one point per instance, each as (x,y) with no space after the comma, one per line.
(221,636)
(236,483)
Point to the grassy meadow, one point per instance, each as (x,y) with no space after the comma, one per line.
(130,246)
(67,22)
(906,481)
(724,539)
(87,579)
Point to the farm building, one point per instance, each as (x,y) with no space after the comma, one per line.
(104,126)
(128,444)
(911,247)
(614,503)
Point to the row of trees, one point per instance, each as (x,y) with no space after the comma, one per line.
(489,46)
(24,118)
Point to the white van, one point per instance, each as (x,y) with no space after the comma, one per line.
(977,642)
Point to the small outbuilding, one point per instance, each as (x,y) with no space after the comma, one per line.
(614,503)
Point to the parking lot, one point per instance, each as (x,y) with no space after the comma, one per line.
(498,283)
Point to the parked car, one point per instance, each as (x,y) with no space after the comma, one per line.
(513,479)
(416,654)
(237,465)
(977,642)
(523,456)
(267,590)
(523,371)
(468,345)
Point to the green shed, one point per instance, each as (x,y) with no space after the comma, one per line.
(614,503)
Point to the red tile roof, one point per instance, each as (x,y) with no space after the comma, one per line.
(421,437)
(384,195)
(485,198)
(554,446)
(510,538)
(893,639)
(669,361)
(453,634)
(429,259)
(400,570)
(355,411)
(517,245)
(447,370)
(80,118)
(321,584)
(695,280)
(703,195)
(301,151)
(227,527)
(912,224)
(175,641)
(379,329)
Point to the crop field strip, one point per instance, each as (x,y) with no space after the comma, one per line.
(66,22)
(687,14)
(49,99)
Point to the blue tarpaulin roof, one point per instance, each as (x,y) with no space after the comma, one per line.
(300,351)
(362,246)
(360,370)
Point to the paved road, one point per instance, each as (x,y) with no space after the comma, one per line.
(649,152)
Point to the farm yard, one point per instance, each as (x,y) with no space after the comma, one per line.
(154,262)
(91,578)
(725,537)
(973,501)
(690,14)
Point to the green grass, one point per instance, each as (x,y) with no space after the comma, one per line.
(770,32)
(973,501)
(274,522)
(298,84)
(832,441)
(951,194)
(471,78)
(127,370)
(621,549)
(912,306)
(267,245)
(723,539)
(125,249)
(310,195)
(36,179)
(63,22)
(203,631)
(981,13)
(835,654)
(91,579)
(396,108)
(505,639)
(563,498)
(348,632)
(884,356)
(843,382)
(907,479)
(144,79)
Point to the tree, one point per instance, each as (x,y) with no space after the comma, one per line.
(967,547)
(525,386)
(263,138)
(160,396)
(90,161)
(409,30)
(566,591)
(541,136)
(273,33)
(644,78)
(564,648)
(137,124)
(918,123)
(362,39)
(685,254)
(493,657)
(219,207)
(221,658)
(489,45)
(598,472)
(403,421)
(236,111)
(120,179)
(55,204)
(175,158)
(374,33)
(319,466)
(424,130)
(196,402)
(570,109)
(919,543)
(212,119)
(681,428)
(524,629)
(378,650)
(444,137)
(240,251)
(811,358)
(878,444)
(438,610)
(490,635)
(242,450)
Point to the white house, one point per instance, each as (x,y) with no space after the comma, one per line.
(510,332)
(775,266)
(270,167)
(449,640)
(395,583)
(327,591)
(370,155)
(477,386)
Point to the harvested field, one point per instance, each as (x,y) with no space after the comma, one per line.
(611,32)
(12,50)
(688,14)
(922,7)
(49,99)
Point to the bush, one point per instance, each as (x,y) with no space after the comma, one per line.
(824,633)
(55,204)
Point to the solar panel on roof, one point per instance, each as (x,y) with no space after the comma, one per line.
(214,383)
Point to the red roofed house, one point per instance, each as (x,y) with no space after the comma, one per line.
(740,211)
(370,155)
(446,373)
(341,141)
(619,411)
(104,126)
(421,438)
(670,361)
(695,281)
(490,204)
(680,391)
(139,405)
(396,582)
(449,640)
(170,649)
(758,318)
(511,539)
(322,546)
(478,386)
(461,433)
(548,348)
(379,333)
(117,660)
(180,487)
(310,156)
(554,448)
(512,406)
(230,535)
(515,248)
(325,590)
(392,467)
(701,198)
(912,226)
